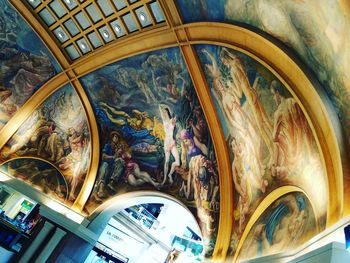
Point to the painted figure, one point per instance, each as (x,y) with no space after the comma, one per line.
(240,86)
(291,132)
(112,167)
(170,148)
(283,227)
(241,179)
(74,161)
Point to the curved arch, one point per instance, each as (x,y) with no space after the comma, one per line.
(268,200)
(100,217)
(30,106)
(319,110)
(36,159)
(311,97)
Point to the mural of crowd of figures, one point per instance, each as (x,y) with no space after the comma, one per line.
(286,224)
(269,139)
(318,31)
(154,135)
(57,132)
(25,63)
(39,174)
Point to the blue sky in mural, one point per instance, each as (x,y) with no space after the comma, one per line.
(201,10)
(18,32)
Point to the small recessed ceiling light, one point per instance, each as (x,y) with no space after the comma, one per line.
(60,34)
(105,33)
(117,29)
(142,17)
(69,2)
(83,46)
(32,1)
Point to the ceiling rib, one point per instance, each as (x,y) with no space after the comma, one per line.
(222,155)
(234,37)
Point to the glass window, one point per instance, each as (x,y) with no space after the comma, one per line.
(130,22)
(105,7)
(71,27)
(47,17)
(72,52)
(82,20)
(157,12)
(57,7)
(93,13)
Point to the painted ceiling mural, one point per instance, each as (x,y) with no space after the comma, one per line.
(25,63)
(267,134)
(288,223)
(39,174)
(321,38)
(154,135)
(58,133)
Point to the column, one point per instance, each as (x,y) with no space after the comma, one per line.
(36,243)
(51,245)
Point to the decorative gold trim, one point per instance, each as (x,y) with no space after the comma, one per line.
(29,107)
(268,200)
(95,149)
(318,111)
(222,155)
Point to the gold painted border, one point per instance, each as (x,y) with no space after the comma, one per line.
(240,38)
(264,205)
(94,151)
(221,150)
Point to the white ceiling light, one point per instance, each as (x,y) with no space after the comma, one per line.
(142,17)
(117,29)
(82,45)
(60,34)
(105,34)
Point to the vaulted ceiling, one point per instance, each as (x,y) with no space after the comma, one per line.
(236,108)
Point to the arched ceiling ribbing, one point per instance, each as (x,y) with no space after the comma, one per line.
(190,39)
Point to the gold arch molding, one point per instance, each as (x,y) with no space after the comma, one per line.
(268,200)
(34,158)
(318,111)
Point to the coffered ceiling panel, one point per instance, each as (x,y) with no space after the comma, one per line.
(80,27)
